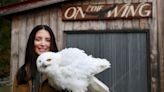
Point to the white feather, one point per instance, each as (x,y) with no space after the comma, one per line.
(70,68)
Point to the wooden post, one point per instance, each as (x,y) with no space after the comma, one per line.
(160,30)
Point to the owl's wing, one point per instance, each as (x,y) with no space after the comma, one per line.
(71,56)
(78,61)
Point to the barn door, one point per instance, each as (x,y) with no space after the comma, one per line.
(127,53)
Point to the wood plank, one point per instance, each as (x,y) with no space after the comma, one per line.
(30,24)
(152,24)
(118,23)
(37,18)
(110,24)
(153,47)
(22,40)
(127,23)
(14,47)
(159,13)
(45,17)
(143,22)
(60,31)
(135,22)
(68,25)
(76,25)
(54,23)
(160,9)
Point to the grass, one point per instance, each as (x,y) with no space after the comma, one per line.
(4,89)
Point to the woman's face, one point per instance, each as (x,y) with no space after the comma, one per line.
(42,41)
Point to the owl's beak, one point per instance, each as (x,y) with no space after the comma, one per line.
(44,66)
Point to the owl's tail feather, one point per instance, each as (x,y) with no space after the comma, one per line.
(102,64)
(97,86)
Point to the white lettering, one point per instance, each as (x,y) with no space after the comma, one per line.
(115,12)
(132,11)
(92,8)
(128,9)
(80,11)
(125,10)
(73,12)
(120,11)
(144,13)
(67,12)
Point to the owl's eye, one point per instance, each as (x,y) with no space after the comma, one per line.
(48,60)
(40,61)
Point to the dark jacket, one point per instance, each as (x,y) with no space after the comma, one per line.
(45,87)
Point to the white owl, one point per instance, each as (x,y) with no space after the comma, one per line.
(72,69)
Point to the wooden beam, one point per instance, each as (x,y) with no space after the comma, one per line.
(160,30)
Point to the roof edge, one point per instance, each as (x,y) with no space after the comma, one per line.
(26,5)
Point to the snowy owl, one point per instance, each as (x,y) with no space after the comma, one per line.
(70,68)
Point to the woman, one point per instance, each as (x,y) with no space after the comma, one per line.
(28,79)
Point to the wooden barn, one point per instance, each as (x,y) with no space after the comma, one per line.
(129,33)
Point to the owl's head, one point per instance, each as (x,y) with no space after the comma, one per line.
(47,61)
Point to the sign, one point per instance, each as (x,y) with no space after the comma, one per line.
(107,11)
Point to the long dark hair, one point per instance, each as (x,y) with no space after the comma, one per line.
(29,69)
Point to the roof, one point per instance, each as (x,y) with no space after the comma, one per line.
(26,5)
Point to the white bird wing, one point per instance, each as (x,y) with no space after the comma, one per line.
(71,55)
(81,63)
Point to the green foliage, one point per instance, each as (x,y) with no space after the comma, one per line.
(5,43)
(4,89)
(7,2)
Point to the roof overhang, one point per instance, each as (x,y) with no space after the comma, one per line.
(26,5)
